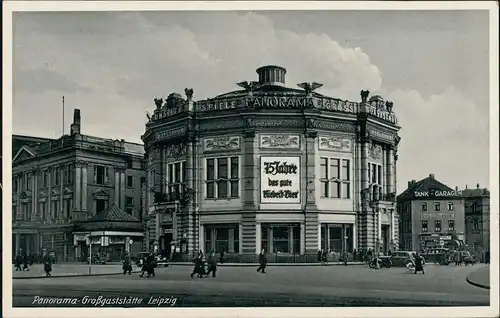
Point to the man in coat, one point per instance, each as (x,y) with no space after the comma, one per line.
(419,266)
(47,264)
(26,262)
(212,264)
(262,262)
(127,266)
(198,263)
(19,261)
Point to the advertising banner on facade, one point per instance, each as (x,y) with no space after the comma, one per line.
(280,179)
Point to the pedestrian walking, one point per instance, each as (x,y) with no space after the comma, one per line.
(354,255)
(344,257)
(47,264)
(212,264)
(198,265)
(262,262)
(369,254)
(26,262)
(150,265)
(127,266)
(487,257)
(419,266)
(324,256)
(18,261)
(320,256)
(221,259)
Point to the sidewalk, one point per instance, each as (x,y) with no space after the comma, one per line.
(272,264)
(480,277)
(70,270)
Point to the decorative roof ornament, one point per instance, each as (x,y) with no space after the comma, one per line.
(248,86)
(309,87)
(158,102)
(364,96)
(189,93)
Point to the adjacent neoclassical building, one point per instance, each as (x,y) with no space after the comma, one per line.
(270,167)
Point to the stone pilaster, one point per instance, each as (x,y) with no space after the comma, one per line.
(390,171)
(34,194)
(117,187)
(61,195)
(122,189)
(78,186)
(84,186)
(311,232)
(191,208)
(247,184)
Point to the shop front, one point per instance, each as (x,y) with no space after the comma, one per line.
(280,238)
(336,237)
(110,234)
(222,238)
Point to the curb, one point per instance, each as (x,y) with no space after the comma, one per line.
(272,264)
(476,284)
(73,275)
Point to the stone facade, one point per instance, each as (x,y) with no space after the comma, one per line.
(57,183)
(286,170)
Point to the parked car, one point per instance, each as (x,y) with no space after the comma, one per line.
(161,260)
(403,258)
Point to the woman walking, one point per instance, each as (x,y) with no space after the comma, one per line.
(198,263)
(47,264)
(212,264)
(127,267)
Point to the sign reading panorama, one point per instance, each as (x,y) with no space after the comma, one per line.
(280,179)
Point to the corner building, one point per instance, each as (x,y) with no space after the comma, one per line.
(269,167)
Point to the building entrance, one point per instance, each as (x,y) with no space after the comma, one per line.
(386,239)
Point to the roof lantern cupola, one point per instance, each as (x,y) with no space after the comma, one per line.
(271,75)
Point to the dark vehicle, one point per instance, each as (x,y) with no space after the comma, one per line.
(467,258)
(383,261)
(96,259)
(159,259)
(403,258)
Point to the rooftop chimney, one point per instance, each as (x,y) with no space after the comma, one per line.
(75,126)
(431,176)
(466,187)
(271,75)
(456,188)
(409,184)
(477,185)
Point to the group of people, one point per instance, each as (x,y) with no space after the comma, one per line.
(28,260)
(199,265)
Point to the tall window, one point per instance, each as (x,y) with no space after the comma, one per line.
(43,210)
(437,226)
(335,178)
(475,225)
(101,175)
(55,209)
(451,225)
(68,205)
(15,186)
(57,176)
(222,179)
(68,174)
(424,226)
(130,181)
(176,177)
(129,205)
(28,181)
(424,206)
(281,239)
(437,206)
(45,178)
(450,206)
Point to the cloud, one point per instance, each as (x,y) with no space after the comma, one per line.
(124,60)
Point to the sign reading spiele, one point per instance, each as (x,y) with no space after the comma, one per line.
(280,179)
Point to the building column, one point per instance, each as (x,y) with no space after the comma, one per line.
(191,207)
(302,238)
(49,195)
(127,245)
(249,190)
(258,238)
(78,186)
(309,186)
(84,187)
(201,239)
(122,189)
(61,195)
(117,187)
(390,171)
(290,239)
(355,235)
(18,243)
(319,236)
(392,229)
(52,241)
(34,195)
(367,226)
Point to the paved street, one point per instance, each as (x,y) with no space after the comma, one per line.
(280,286)
(68,270)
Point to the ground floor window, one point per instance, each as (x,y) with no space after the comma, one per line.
(280,238)
(337,237)
(222,237)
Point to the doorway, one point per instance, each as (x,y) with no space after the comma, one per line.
(165,244)
(386,240)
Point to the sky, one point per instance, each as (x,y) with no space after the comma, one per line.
(434,66)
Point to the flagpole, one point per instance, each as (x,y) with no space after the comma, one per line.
(63,115)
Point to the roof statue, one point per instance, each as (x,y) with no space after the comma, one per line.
(309,87)
(189,93)
(158,102)
(248,86)
(364,96)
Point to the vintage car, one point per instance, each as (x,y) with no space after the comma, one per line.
(403,258)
